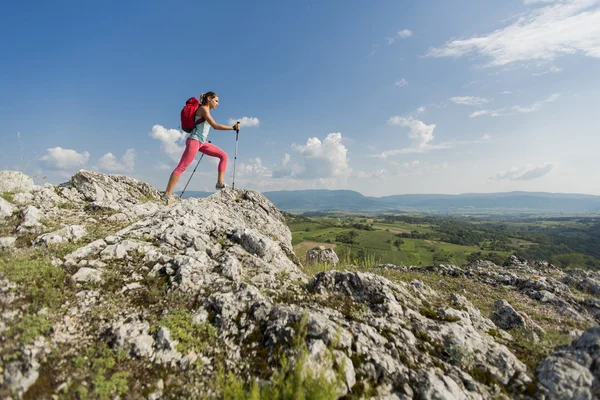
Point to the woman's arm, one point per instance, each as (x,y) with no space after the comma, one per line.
(204,112)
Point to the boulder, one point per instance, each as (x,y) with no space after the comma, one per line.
(571,372)
(14,181)
(506,317)
(6,209)
(70,233)
(323,255)
(95,186)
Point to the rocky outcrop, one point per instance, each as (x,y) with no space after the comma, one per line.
(572,371)
(94,186)
(184,291)
(13,181)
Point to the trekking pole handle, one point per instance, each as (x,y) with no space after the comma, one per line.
(237,130)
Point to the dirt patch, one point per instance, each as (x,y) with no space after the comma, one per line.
(305,246)
(393,230)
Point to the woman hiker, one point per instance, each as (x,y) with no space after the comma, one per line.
(196,142)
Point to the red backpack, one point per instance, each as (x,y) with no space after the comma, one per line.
(188,115)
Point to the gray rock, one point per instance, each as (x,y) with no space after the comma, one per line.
(31,220)
(571,372)
(90,250)
(565,378)
(95,186)
(133,336)
(7,242)
(20,375)
(6,209)
(321,254)
(544,296)
(86,274)
(13,181)
(40,197)
(506,317)
(70,233)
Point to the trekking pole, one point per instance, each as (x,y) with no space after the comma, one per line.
(237,133)
(188,182)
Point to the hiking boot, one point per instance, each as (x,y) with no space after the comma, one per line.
(170,199)
(220,186)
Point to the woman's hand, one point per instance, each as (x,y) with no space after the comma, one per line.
(236,127)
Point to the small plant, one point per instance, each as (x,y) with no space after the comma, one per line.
(41,282)
(429,313)
(104,367)
(191,336)
(455,354)
(30,327)
(8,196)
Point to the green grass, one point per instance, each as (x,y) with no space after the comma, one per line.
(42,283)
(379,243)
(191,336)
(30,327)
(8,196)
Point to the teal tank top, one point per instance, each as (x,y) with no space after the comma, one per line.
(200,132)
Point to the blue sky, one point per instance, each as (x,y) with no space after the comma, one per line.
(383,97)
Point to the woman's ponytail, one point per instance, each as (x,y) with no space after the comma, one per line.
(205,97)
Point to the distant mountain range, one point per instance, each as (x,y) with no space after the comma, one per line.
(349,200)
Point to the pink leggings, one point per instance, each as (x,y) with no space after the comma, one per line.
(192,147)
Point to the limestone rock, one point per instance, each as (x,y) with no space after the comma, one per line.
(31,220)
(7,241)
(86,274)
(13,181)
(321,254)
(506,317)
(95,186)
(571,372)
(70,233)
(6,209)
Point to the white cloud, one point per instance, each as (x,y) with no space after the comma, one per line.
(420,134)
(163,167)
(376,175)
(402,82)
(526,172)
(326,159)
(552,69)
(417,167)
(254,169)
(493,113)
(245,122)
(109,163)
(421,109)
(543,33)
(469,100)
(537,105)
(486,137)
(64,159)
(516,109)
(171,140)
(405,33)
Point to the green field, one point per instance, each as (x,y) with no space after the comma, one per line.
(428,240)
